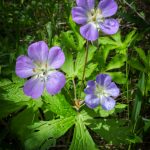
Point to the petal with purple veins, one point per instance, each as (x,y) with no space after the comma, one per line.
(108,7)
(88,4)
(103,80)
(109,26)
(90,89)
(24,67)
(34,87)
(55,82)
(108,104)
(56,57)
(89,32)
(113,90)
(79,15)
(38,51)
(92,101)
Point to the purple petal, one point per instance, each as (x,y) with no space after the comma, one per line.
(109,26)
(103,80)
(38,51)
(56,57)
(108,104)
(34,87)
(90,89)
(113,90)
(89,32)
(79,15)
(108,7)
(24,67)
(92,101)
(88,4)
(55,82)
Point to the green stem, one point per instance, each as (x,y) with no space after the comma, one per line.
(74,86)
(85,62)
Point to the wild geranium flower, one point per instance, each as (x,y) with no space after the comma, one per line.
(101,92)
(41,64)
(95,19)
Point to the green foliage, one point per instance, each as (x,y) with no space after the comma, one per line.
(59,105)
(44,134)
(81,138)
(113,131)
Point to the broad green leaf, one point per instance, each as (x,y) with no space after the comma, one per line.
(67,39)
(80,60)
(20,122)
(120,107)
(12,97)
(142,55)
(129,38)
(146,124)
(138,99)
(45,131)
(102,112)
(88,71)
(113,131)
(134,139)
(81,137)
(116,62)
(118,77)
(106,41)
(134,62)
(68,66)
(59,105)
(117,38)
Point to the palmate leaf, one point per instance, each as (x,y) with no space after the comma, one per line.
(44,134)
(118,77)
(113,131)
(20,122)
(81,138)
(116,62)
(12,97)
(59,105)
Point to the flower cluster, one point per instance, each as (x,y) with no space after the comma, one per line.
(101,92)
(41,64)
(94,19)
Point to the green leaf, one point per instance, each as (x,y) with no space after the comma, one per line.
(134,139)
(20,122)
(113,131)
(45,131)
(116,62)
(59,105)
(67,39)
(81,137)
(12,97)
(118,77)
(142,55)
(133,62)
(129,38)
(102,112)
(117,38)
(68,66)
(80,60)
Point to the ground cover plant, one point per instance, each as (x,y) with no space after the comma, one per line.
(74,75)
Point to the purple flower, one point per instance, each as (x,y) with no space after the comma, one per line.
(95,19)
(41,64)
(101,92)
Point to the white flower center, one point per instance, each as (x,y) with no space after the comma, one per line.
(95,16)
(42,71)
(100,91)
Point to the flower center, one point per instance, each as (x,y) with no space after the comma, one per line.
(100,91)
(95,16)
(42,71)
